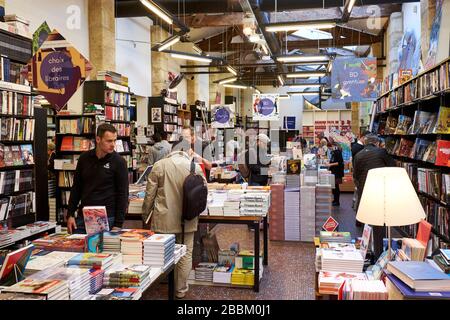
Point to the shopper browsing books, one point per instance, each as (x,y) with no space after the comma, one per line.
(101,179)
(160,149)
(201,150)
(163,205)
(258,161)
(371,157)
(336,167)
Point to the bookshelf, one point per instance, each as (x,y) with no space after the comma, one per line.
(316,122)
(163,116)
(413,119)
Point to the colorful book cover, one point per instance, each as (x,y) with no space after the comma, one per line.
(95,219)
(443,123)
(16,155)
(403,125)
(27,153)
(2,155)
(67,143)
(36,286)
(136,235)
(405,147)
(420,147)
(391,125)
(443,153)
(430,153)
(293,167)
(14,265)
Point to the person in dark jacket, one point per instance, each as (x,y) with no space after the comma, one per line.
(356,147)
(258,161)
(336,167)
(371,157)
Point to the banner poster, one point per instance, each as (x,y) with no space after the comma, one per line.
(58,70)
(265,107)
(40,35)
(354,79)
(222,116)
(434,36)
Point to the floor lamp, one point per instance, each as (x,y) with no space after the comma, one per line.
(389,199)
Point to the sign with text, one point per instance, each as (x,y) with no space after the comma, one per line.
(330,225)
(222,116)
(58,70)
(354,79)
(265,107)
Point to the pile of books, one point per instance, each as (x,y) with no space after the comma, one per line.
(159,251)
(246,260)
(96,282)
(205,271)
(180,251)
(92,260)
(255,203)
(132,244)
(118,294)
(357,289)
(111,241)
(330,282)
(42,259)
(413,249)
(293,181)
(327,236)
(342,261)
(291,215)
(307,213)
(244,277)
(324,198)
(50,289)
(9,296)
(216,201)
(61,242)
(231,206)
(20,25)
(277,213)
(128,276)
(442,259)
(222,274)
(113,77)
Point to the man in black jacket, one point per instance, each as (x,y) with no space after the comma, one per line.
(371,157)
(101,179)
(357,146)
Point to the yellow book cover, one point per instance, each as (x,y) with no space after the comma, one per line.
(443,123)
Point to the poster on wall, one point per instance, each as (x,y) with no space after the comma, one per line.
(409,51)
(289,123)
(354,79)
(40,35)
(265,107)
(58,70)
(434,36)
(222,116)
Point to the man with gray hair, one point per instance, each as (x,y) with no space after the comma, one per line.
(371,157)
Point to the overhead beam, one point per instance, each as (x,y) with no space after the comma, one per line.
(202,20)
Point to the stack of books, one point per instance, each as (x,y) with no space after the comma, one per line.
(246,260)
(342,261)
(205,271)
(291,215)
(244,277)
(324,198)
(92,260)
(293,181)
(52,209)
(128,276)
(216,200)
(222,274)
(111,241)
(180,251)
(330,282)
(307,213)
(413,249)
(61,242)
(47,259)
(255,203)
(232,204)
(277,212)
(159,251)
(118,294)
(327,236)
(443,260)
(51,289)
(19,296)
(356,289)
(96,283)
(132,244)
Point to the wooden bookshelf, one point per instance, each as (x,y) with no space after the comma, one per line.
(168,110)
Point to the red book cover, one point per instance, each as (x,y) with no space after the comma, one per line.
(424,232)
(67,143)
(16,259)
(109,113)
(443,153)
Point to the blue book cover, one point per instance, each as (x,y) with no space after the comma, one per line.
(418,270)
(411,293)
(445,253)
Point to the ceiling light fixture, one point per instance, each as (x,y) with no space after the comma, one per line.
(281,27)
(305,74)
(228,80)
(157,10)
(351,3)
(298,58)
(235,86)
(169,42)
(189,57)
(232,70)
(280,78)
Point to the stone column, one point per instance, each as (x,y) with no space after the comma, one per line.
(427,11)
(102,35)
(160,62)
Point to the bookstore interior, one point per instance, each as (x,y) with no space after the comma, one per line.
(224,150)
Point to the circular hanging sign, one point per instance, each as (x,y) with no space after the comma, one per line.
(266,107)
(222,115)
(56,70)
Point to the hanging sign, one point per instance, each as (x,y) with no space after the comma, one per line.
(330,225)
(40,35)
(354,79)
(58,70)
(222,116)
(265,107)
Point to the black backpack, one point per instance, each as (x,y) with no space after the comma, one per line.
(195,196)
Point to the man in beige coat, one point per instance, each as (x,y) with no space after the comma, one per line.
(164,203)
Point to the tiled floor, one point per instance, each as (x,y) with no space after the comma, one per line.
(290,273)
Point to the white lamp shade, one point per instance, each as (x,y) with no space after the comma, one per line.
(389,199)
